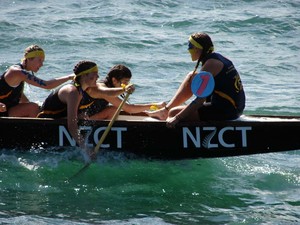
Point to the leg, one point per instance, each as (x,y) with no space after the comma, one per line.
(183,93)
(29,109)
(174,111)
(105,114)
(193,116)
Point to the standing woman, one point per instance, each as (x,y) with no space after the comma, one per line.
(227,100)
(105,94)
(66,100)
(13,101)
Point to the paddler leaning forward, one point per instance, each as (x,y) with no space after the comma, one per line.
(68,99)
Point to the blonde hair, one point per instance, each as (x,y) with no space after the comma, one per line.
(32,48)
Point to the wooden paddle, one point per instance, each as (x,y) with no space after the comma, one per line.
(96,149)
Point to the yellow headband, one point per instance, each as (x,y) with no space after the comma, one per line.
(33,54)
(91,70)
(195,43)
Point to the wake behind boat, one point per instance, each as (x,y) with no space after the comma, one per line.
(148,137)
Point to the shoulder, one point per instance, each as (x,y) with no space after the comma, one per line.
(14,70)
(98,90)
(212,62)
(19,74)
(214,66)
(69,89)
(14,75)
(69,93)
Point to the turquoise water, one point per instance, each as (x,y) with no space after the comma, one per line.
(261,38)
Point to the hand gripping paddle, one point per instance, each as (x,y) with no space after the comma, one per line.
(203,84)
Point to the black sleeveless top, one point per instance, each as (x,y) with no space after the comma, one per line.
(11,96)
(53,107)
(228,92)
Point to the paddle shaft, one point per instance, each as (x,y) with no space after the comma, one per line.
(115,116)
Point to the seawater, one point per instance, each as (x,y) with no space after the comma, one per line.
(150,37)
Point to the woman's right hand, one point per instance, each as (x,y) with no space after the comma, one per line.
(130,88)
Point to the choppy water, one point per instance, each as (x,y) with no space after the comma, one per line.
(262,39)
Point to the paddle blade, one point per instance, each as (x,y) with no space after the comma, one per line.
(203,84)
(84,168)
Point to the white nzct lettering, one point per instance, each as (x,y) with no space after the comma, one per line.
(118,130)
(64,134)
(196,137)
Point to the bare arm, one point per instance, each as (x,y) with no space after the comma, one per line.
(191,111)
(101,91)
(72,98)
(111,95)
(14,76)
(133,108)
(53,83)
(183,93)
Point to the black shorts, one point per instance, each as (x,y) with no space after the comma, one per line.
(211,112)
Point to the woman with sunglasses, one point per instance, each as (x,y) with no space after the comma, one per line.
(227,100)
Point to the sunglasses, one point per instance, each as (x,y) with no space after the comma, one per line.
(190,45)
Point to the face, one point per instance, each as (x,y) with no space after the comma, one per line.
(194,52)
(117,83)
(34,64)
(90,79)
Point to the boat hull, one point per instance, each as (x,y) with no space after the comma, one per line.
(153,139)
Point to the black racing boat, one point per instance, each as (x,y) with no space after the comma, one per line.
(147,137)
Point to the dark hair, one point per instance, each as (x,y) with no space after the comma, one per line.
(208,47)
(118,72)
(80,67)
(205,41)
